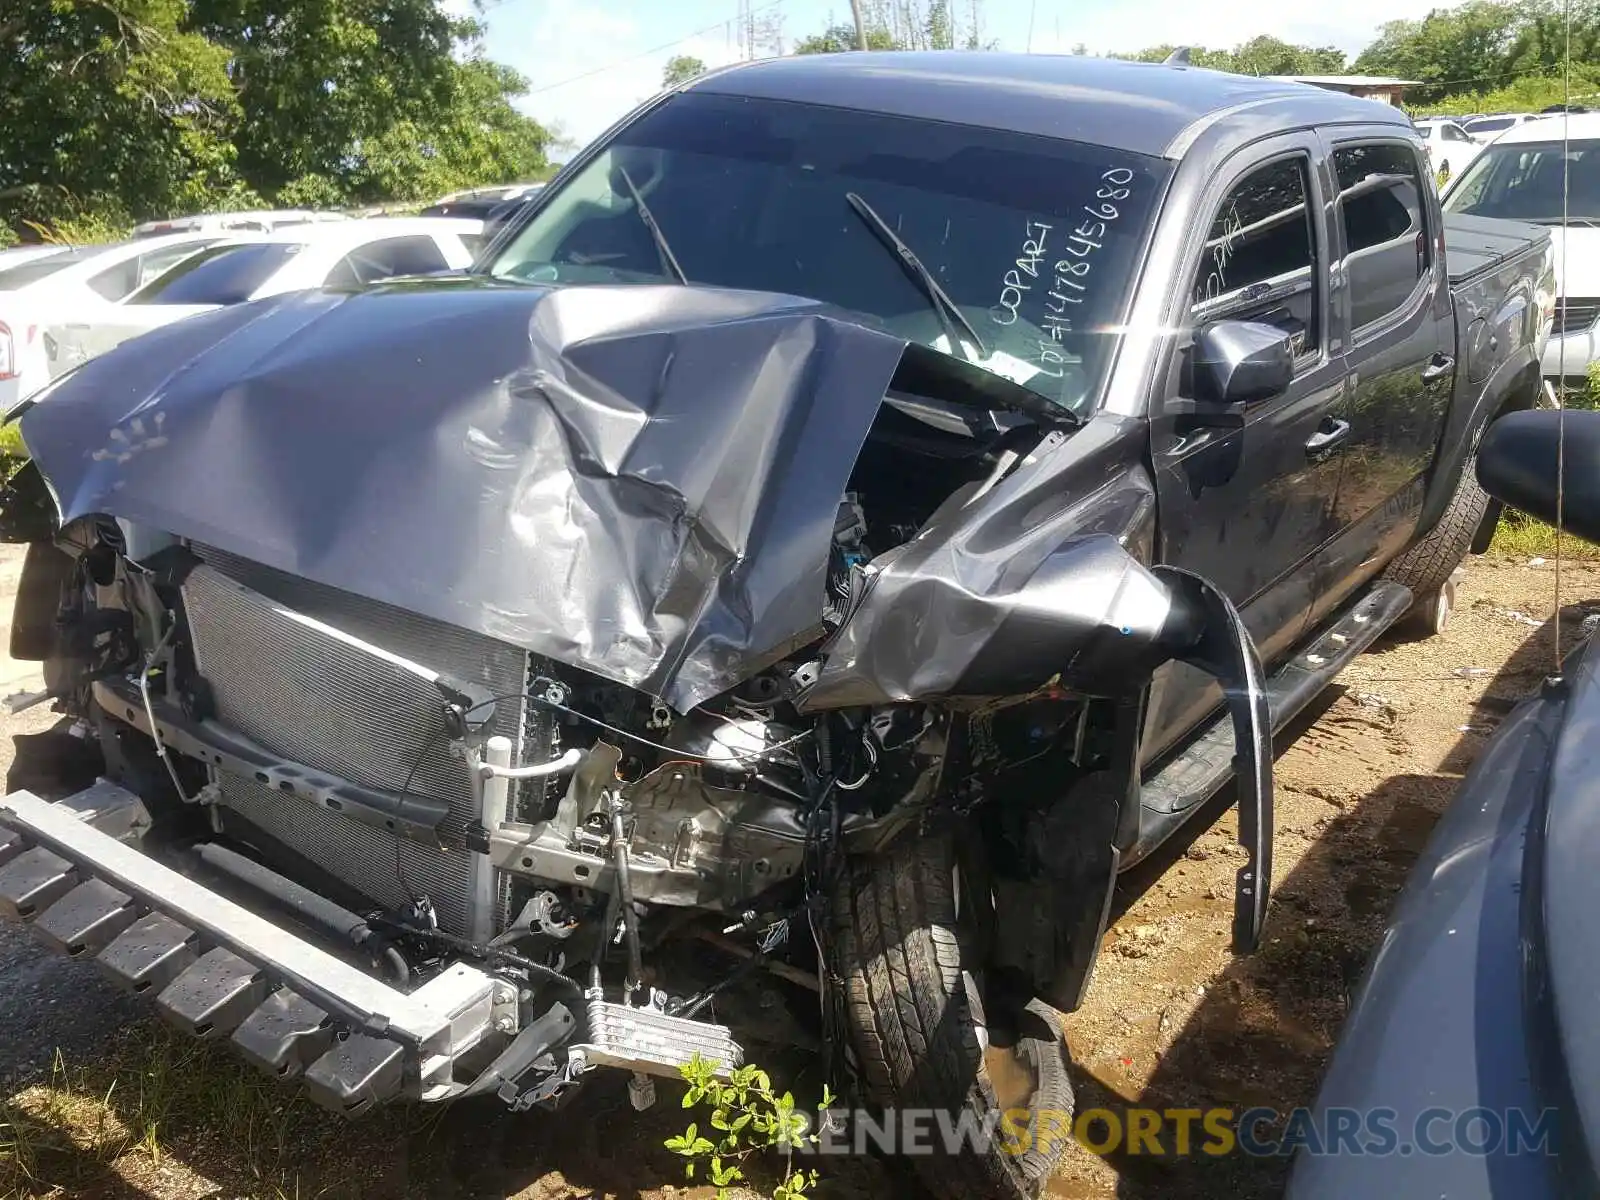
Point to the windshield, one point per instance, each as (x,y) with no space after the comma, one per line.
(1033,241)
(1523,182)
(218,275)
(1491,125)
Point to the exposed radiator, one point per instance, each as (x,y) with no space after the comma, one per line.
(335,706)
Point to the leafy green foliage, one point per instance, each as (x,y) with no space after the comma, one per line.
(1532,93)
(1457,48)
(11,446)
(1259,56)
(838,38)
(109,104)
(747,1118)
(1488,48)
(131,109)
(681,68)
(1482,56)
(906,25)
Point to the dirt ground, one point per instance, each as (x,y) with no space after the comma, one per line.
(1173,1019)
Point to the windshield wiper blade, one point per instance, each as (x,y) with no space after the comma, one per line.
(669,261)
(950,317)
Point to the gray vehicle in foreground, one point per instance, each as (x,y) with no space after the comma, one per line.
(1473,1036)
(494,636)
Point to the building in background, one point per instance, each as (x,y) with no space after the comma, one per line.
(1369,87)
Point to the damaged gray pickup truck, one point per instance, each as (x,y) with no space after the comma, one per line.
(864,505)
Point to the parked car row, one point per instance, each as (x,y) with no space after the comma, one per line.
(62,306)
(236,270)
(258,221)
(1454,143)
(493,206)
(1546,171)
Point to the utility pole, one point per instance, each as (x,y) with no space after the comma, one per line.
(861,26)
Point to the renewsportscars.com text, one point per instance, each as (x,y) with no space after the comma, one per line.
(1184,1132)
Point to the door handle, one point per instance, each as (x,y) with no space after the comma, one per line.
(1330,435)
(1438,367)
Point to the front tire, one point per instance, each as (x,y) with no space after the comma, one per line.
(916,1023)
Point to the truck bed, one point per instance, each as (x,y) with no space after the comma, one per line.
(1474,246)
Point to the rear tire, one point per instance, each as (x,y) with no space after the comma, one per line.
(916,1023)
(1426,568)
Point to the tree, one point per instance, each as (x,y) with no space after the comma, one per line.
(110,106)
(1259,56)
(681,68)
(128,109)
(906,25)
(1539,42)
(1450,50)
(838,38)
(940,26)
(1270,56)
(384,98)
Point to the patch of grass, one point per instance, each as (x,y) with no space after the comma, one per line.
(11,442)
(155,1115)
(160,1115)
(1521,536)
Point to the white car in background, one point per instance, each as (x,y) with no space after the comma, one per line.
(1519,177)
(1451,149)
(250,221)
(1486,129)
(81,282)
(15,256)
(344,254)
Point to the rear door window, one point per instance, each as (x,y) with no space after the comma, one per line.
(219,274)
(1381,207)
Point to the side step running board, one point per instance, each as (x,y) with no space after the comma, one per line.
(1180,789)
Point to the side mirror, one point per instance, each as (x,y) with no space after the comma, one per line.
(1240,362)
(1517,461)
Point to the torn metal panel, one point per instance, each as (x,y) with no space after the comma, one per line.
(641,481)
(1030,584)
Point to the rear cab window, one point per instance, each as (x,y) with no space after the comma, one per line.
(228,274)
(1383,213)
(415,255)
(129,275)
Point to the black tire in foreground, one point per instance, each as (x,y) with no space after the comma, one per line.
(917,1028)
(1426,568)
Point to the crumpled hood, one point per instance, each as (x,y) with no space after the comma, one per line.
(638,480)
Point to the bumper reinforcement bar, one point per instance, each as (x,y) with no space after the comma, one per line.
(217,970)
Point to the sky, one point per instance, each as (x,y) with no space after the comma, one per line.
(590,61)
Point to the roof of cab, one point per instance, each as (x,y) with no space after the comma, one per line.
(1143,107)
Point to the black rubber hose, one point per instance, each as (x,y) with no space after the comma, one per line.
(304,904)
(489,954)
